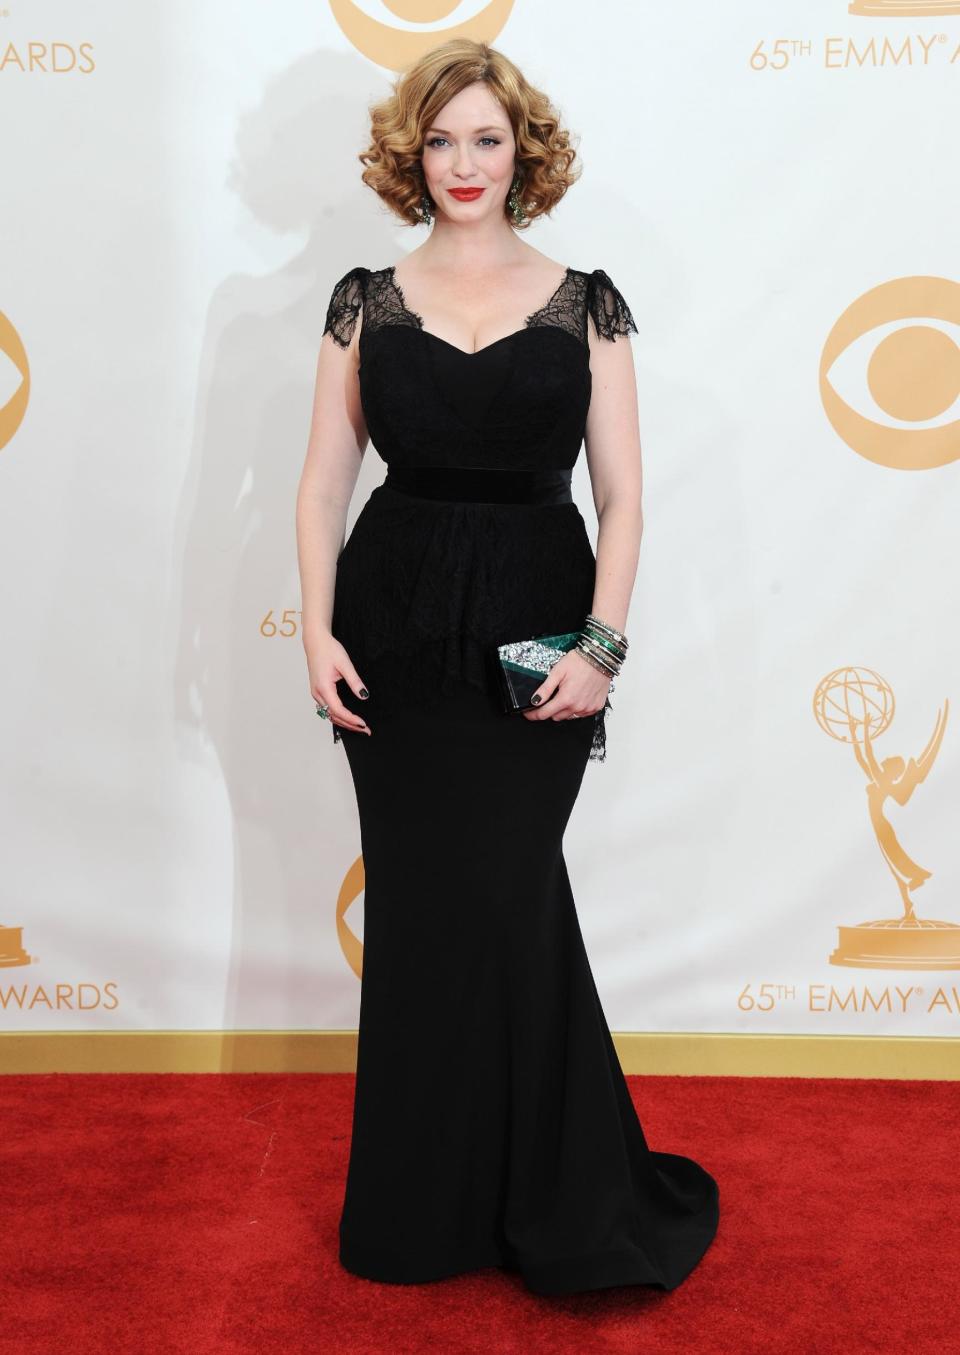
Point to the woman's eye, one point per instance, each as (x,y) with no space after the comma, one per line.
(434,139)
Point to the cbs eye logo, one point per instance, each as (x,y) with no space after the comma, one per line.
(900,344)
(903,8)
(14,381)
(394,48)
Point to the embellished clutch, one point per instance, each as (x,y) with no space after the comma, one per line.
(523,664)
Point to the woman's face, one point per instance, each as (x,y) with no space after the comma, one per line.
(469,146)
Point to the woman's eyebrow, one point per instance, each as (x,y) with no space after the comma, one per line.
(492,128)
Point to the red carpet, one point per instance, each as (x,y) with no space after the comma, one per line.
(198,1214)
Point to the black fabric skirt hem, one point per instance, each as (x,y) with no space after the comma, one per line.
(628,1265)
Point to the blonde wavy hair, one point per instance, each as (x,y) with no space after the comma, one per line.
(544,156)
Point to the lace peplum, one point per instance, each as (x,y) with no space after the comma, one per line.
(427,588)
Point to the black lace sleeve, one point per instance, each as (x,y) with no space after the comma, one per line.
(611,314)
(344,307)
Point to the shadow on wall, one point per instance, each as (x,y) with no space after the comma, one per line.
(237,691)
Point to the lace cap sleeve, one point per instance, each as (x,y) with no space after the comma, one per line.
(345,302)
(611,314)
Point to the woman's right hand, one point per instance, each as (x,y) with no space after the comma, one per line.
(327,661)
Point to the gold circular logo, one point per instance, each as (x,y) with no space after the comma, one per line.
(913,374)
(853,695)
(11,413)
(395,48)
(350,889)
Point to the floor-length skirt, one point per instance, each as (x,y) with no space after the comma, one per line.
(492,1123)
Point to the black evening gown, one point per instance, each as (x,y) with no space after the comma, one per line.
(492,1125)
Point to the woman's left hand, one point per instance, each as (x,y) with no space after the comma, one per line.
(573,687)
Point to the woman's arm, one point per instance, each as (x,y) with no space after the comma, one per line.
(337,441)
(612,446)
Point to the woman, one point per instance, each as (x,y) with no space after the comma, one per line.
(492,1123)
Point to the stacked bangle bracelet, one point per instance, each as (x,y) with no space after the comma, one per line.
(602,646)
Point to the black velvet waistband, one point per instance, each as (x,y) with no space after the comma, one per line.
(479,484)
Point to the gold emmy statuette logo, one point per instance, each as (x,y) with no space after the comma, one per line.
(913,373)
(855,706)
(903,9)
(11,947)
(395,48)
(350,943)
(11,413)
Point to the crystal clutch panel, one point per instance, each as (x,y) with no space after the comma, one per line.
(523,664)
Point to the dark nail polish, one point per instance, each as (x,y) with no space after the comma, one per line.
(364,693)
(536,699)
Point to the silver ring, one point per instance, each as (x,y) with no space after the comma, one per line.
(323,712)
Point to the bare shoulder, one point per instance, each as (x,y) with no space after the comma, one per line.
(540,267)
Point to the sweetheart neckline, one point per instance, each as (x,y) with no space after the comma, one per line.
(475,352)
(524,329)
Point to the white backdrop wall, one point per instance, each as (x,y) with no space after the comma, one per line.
(180,191)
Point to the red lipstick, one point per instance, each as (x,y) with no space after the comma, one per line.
(465,194)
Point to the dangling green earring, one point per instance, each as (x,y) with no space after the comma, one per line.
(514,203)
